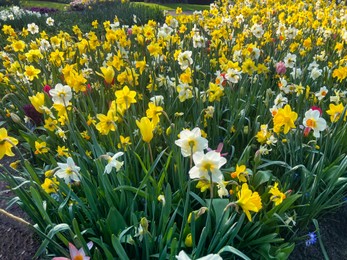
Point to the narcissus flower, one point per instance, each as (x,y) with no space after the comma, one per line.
(191,142)
(285,118)
(335,112)
(248,201)
(50,185)
(6,143)
(41,147)
(68,171)
(206,165)
(312,120)
(185,59)
(241,173)
(31,72)
(113,162)
(146,128)
(61,94)
(107,74)
(38,101)
(276,195)
(107,122)
(125,97)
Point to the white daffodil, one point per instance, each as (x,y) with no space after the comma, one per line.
(185,59)
(191,142)
(113,162)
(68,171)
(313,121)
(183,256)
(61,94)
(206,165)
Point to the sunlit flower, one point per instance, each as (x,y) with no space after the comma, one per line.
(285,118)
(107,73)
(61,94)
(31,72)
(241,173)
(125,97)
(107,122)
(207,166)
(276,195)
(335,112)
(68,171)
(112,162)
(312,120)
(6,143)
(191,142)
(248,201)
(146,128)
(185,59)
(50,185)
(38,101)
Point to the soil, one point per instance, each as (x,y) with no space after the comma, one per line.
(18,242)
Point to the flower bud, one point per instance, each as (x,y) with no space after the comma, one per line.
(15,118)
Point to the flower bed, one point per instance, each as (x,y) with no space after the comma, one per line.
(222,132)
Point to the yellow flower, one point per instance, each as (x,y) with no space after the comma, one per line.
(18,46)
(340,73)
(107,74)
(63,151)
(153,112)
(284,117)
(188,240)
(50,124)
(248,201)
(31,72)
(335,112)
(146,129)
(125,97)
(41,148)
(277,195)
(240,173)
(6,143)
(38,101)
(50,185)
(107,122)
(124,142)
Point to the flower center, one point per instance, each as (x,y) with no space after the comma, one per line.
(311,123)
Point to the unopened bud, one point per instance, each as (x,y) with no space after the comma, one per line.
(15,118)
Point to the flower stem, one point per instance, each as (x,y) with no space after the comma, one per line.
(11,216)
(150,152)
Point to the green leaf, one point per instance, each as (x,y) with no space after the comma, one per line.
(119,248)
(115,221)
(234,251)
(261,177)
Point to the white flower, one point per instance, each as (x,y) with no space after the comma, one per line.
(257,30)
(313,121)
(50,21)
(206,165)
(185,59)
(315,73)
(183,256)
(198,41)
(290,60)
(296,73)
(33,28)
(61,94)
(233,75)
(322,93)
(191,142)
(280,101)
(68,171)
(113,162)
(157,100)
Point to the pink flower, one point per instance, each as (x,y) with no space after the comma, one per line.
(76,254)
(46,89)
(281,68)
(317,108)
(219,150)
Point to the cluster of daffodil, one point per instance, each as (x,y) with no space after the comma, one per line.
(265,78)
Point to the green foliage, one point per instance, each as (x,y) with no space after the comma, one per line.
(9,2)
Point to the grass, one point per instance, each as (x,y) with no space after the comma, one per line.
(172,7)
(168,7)
(59,6)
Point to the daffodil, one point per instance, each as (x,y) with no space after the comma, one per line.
(107,73)
(285,118)
(41,147)
(153,112)
(191,142)
(335,112)
(38,101)
(112,162)
(312,120)
(125,97)
(61,94)
(248,201)
(106,123)
(276,195)
(6,143)
(31,72)
(207,166)
(240,173)
(146,128)
(68,171)
(50,185)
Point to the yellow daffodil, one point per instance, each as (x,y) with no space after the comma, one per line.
(50,185)
(335,112)
(248,201)
(240,173)
(41,147)
(107,73)
(107,122)
(31,72)
(285,118)
(125,97)
(6,143)
(277,196)
(146,128)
